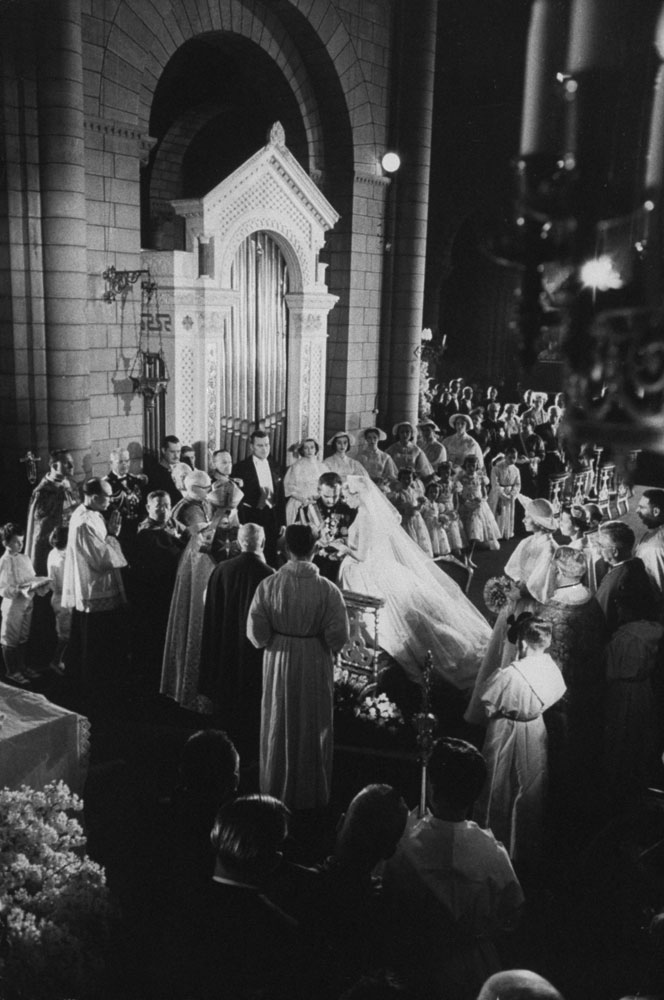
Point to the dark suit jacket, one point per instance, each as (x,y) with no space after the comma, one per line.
(159,478)
(629,574)
(246,947)
(270,518)
(246,471)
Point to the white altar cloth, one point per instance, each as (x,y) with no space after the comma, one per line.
(41,742)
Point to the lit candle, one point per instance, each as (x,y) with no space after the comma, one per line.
(594,35)
(655,155)
(541,102)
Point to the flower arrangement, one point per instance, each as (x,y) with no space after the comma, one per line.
(55,910)
(497,593)
(364,717)
(380,710)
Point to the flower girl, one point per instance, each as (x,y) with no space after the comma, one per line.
(408,497)
(435,518)
(449,501)
(478,521)
(505,488)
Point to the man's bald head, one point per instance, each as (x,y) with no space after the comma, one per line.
(518,984)
(251,538)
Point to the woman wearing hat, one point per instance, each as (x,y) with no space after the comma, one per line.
(378,464)
(530,569)
(460,444)
(406,454)
(431,446)
(301,478)
(339,461)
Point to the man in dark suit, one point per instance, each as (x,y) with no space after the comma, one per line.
(236,943)
(263,493)
(231,666)
(169,472)
(626,572)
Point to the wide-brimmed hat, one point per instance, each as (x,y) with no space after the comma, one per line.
(339,434)
(382,436)
(540,512)
(478,411)
(429,423)
(402,423)
(460,416)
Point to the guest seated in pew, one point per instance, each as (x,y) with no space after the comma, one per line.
(341,901)
(451,881)
(518,984)
(241,945)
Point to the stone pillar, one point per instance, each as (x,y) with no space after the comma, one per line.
(307,337)
(415,36)
(62,179)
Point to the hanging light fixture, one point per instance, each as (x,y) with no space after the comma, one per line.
(149,372)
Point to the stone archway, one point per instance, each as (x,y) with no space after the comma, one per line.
(269,194)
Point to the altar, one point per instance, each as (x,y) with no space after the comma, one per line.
(41,742)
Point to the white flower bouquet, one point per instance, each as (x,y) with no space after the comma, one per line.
(55,910)
(379,710)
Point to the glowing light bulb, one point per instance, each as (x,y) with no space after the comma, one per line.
(391,162)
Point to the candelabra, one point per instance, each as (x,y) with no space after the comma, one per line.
(586,235)
(425,723)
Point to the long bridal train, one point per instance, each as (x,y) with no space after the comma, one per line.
(424,609)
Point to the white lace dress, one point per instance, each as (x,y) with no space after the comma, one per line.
(424,610)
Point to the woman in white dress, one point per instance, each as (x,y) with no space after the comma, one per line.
(530,567)
(460,444)
(424,610)
(505,488)
(378,463)
(339,461)
(516,743)
(301,479)
(406,454)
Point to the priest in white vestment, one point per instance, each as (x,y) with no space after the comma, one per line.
(300,619)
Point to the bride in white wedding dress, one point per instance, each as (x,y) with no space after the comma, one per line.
(424,610)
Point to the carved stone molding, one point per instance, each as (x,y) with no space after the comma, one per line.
(120,137)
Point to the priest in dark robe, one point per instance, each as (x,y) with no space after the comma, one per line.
(231,667)
(150,581)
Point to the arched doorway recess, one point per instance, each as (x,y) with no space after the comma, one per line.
(257,233)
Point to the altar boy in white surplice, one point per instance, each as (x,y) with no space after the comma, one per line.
(515,746)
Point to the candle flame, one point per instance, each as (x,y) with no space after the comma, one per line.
(600,274)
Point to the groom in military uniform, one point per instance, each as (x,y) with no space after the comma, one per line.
(330,518)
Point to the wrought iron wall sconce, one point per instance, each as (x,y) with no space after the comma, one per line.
(119,282)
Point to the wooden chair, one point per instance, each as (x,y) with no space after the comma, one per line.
(557,491)
(624,489)
(582,487)
(360,654)
(460,572)
(606,490)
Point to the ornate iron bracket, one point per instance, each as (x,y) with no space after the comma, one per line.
(119,283)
